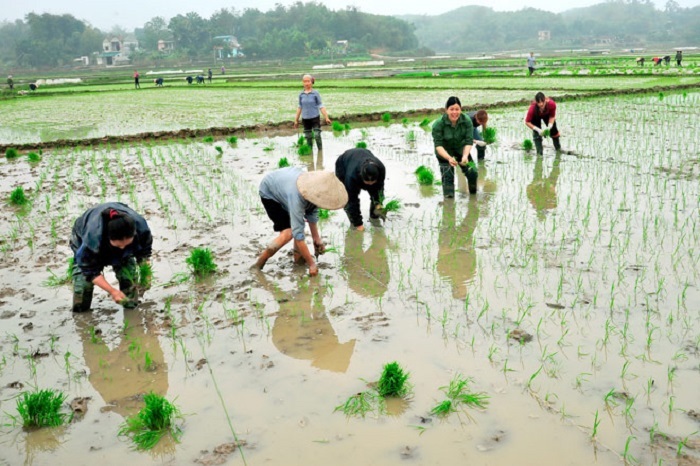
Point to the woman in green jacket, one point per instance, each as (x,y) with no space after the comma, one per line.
(453,140)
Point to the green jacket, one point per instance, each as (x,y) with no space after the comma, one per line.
(453,138)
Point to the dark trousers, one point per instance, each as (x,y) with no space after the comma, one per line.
(312,130)
(83,289)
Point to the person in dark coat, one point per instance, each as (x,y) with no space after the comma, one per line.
(109,234)
(33,86)
(200,79)
(679,57)
(159,82)
(667,59)
(359,169)
(209,75)
(189,79)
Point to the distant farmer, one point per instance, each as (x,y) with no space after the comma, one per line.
(189,79)
(359,169)
(531,63)
(656,60)
(159,82)
(200,79)
(453,137)
(667,59)
(679,58)
(542,116)
(223,70)
(10,82)
(479,118)
(310,109)
(33,86)
(209,75)
(291,196)
(136,80)
(640,61)
(109,234)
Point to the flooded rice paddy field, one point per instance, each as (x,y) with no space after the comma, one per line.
(566,289)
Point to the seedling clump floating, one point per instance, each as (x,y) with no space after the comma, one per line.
(393,382)
(425,175)
(11,153)
(283,162)
(232,139)
(208,139)
(304,149)
(360,404)
(393,205)
(458,395)
(152,422)
(201,262)
(527,144)
(386,117)
(361,145)
(33,157)
(489,135)
(17,197)
(42,408)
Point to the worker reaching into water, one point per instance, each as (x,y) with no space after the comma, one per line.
(542,116)
(110,234)
(290,196)
(479,118)
(359,169)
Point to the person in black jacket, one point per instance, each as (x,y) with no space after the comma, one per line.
(110,234)
(359,169)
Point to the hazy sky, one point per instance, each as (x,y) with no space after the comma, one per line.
(134,13)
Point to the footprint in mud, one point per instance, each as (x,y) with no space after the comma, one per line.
(492,441)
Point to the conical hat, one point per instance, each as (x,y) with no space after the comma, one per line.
(322,189)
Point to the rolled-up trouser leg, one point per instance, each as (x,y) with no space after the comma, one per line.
(82,291)
(447,175)
(126,274)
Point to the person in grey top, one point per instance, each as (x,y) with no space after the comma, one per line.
(531,63)
(310,109)
(290,197)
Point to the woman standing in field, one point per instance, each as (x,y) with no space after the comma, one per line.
(110,234)
(453,137)
(310,109)
(543,110)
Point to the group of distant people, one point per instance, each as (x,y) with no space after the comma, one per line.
(199,79)
(11,85)
(666,59)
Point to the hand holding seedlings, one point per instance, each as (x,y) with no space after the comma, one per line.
(379,212)
(319,248)
(359,169)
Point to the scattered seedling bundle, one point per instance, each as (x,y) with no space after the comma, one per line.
(283,162)
(201,262)
(458,396)
(11,153)
(527,144)
(157,418)
(33,157)
(42,408)
(361,145)
(425,175)
(18,198)
(489,135)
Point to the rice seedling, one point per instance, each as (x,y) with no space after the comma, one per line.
(545,133)
(156,419)
(208,139)
(11,153)
(411,136)
(661,96)
(528,145)
(219,149)
(425,175)
(361,145)
(425,122)
(56,280)
(443,409)
(232,139)
(324,214)
(359,404)
(33,157)
(458,394)
(42,408)
(393,205)
(201,262)
(304,149)
(386,117)
(337,126)
(404,121)
(283,162)
(489,135)
(144,275)
(347,127)
(18,198)
(393,381)
(300,142)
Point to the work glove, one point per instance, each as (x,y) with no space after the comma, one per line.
(539,130)
(379,212)
(479,143)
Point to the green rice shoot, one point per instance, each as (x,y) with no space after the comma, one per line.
(324,214)
(459,396)
(527,144)
(283,162)
(18,198)
(393,381)
(425,175)
(393,205)
(359,404)
(155,420)
(337,126)
(386,117)
(361,145)
(425,122)
(219,149)
(489,135)
(545,133)
(42,408)
(300,142)
(33,157)
(304,149)
(56,280)
(201,262)
(208,139)
(145,275)
(11,153)
(232,139)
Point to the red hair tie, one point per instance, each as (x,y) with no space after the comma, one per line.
(113,214)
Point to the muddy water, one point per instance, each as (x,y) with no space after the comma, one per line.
(592,253)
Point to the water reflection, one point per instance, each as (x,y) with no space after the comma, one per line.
(318,164)
(368,271)
(456,253)
(124,373)
(542,192)
(302,329)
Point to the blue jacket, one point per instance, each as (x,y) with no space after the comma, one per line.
(90,243)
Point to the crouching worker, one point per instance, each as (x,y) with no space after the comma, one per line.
(359,169)
(542,116)
(109,234)
(291,196)
(479,118)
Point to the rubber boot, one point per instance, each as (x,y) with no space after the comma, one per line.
(319,141)
(308,135)
(448,180)
(557,144)
(480,152)
(82,291)
(472,174)
(538,145)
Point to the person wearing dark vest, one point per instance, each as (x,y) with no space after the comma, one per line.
(359,169)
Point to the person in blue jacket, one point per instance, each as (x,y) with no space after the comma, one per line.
(110,234)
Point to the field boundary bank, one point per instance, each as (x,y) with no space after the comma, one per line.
(287,127)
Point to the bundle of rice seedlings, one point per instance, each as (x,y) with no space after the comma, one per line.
(219,149)
(201,262)
(392,206)
(42,408)
(11,153)
(386,117)
(17,197)
(489,135)
(208,139)
(546,133)
(283,162)
(152,422)
(425,122)
(232,139)
(324,214)
(337,126)
(425,175)
(361,145)
(527,144)
(304,149)
(393,381)
(33,157)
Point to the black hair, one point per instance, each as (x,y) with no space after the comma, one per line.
(369,172)
(539,97)
(451,101)
(119,225)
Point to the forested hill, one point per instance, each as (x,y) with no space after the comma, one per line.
(612,24)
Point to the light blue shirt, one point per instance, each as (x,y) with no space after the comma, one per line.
(310,104)
(281,186)
(530,62)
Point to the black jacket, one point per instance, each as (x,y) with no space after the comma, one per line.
(347,169)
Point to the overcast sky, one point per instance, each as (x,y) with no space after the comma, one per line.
(130,14)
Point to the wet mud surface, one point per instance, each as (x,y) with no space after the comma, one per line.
(565,288)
